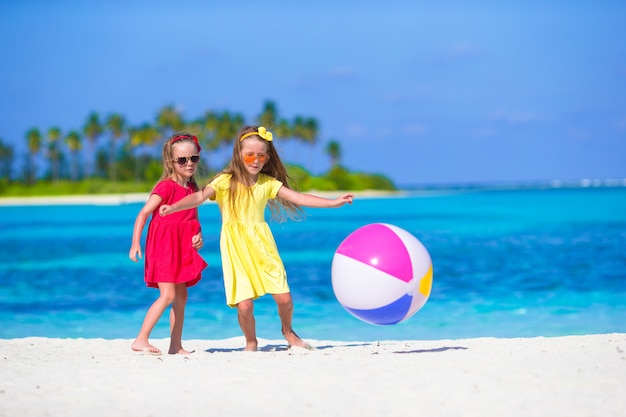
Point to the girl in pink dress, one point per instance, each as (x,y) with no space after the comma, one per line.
(172,262)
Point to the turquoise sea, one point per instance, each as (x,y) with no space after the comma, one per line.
(507,263)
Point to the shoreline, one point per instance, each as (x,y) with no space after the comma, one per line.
(82,199)
(568,375)
(126,198)
(129,198)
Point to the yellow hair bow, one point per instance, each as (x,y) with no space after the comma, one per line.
(262,132)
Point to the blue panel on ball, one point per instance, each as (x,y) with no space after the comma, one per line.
(390,314)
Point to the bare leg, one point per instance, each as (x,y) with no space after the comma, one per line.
(177,318)
(245,315)
(285,312)
(166,297)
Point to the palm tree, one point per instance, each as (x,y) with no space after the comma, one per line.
(220,128)
(115,124)
(195,127)
(269,115)
(283,129)
(333,150)
(74,143)
(208,133)
(54,153)
(34,140)
(6,160)
(210,125)
(92,130)
(145,135)
(229,125)
(310,130)
(169,121)
(305,129)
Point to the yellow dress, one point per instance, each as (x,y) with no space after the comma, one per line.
(250,261)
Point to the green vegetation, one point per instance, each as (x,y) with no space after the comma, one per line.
(303,180)
(109,157)
(338,178)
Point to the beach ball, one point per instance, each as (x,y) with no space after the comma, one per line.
(381,274)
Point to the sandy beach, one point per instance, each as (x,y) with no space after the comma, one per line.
(573,376)
(87,199)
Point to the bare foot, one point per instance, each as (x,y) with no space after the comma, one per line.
(251,346)
(145,347)
(294,340)
(180,351)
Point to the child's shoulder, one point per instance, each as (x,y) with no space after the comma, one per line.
(164,183)
(220,180)
(165,189)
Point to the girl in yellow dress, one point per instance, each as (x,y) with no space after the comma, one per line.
(254,178)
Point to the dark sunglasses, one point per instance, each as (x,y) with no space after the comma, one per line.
(182,160)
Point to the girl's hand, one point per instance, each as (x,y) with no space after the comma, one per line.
(197,242)
(343,199)
(165,209)
(134,253)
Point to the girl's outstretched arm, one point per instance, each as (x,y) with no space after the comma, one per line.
(310,200)
(191,201)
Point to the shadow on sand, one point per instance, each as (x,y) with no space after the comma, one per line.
(284,348)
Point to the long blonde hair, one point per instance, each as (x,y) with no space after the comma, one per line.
(279,208)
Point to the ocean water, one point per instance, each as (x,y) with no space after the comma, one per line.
(507,263)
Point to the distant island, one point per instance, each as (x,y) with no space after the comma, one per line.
(107,156)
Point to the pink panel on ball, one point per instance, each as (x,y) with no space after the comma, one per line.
(378,246)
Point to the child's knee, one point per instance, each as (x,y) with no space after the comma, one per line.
(283,299)
(245,307)
(168,297)
(181,298)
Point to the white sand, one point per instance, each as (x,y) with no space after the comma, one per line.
(87,199)
(563,376)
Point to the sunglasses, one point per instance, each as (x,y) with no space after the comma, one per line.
(182,160)
(250,157)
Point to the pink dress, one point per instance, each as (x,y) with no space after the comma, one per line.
(169,255)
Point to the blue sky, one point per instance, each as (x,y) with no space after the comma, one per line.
(421,91)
